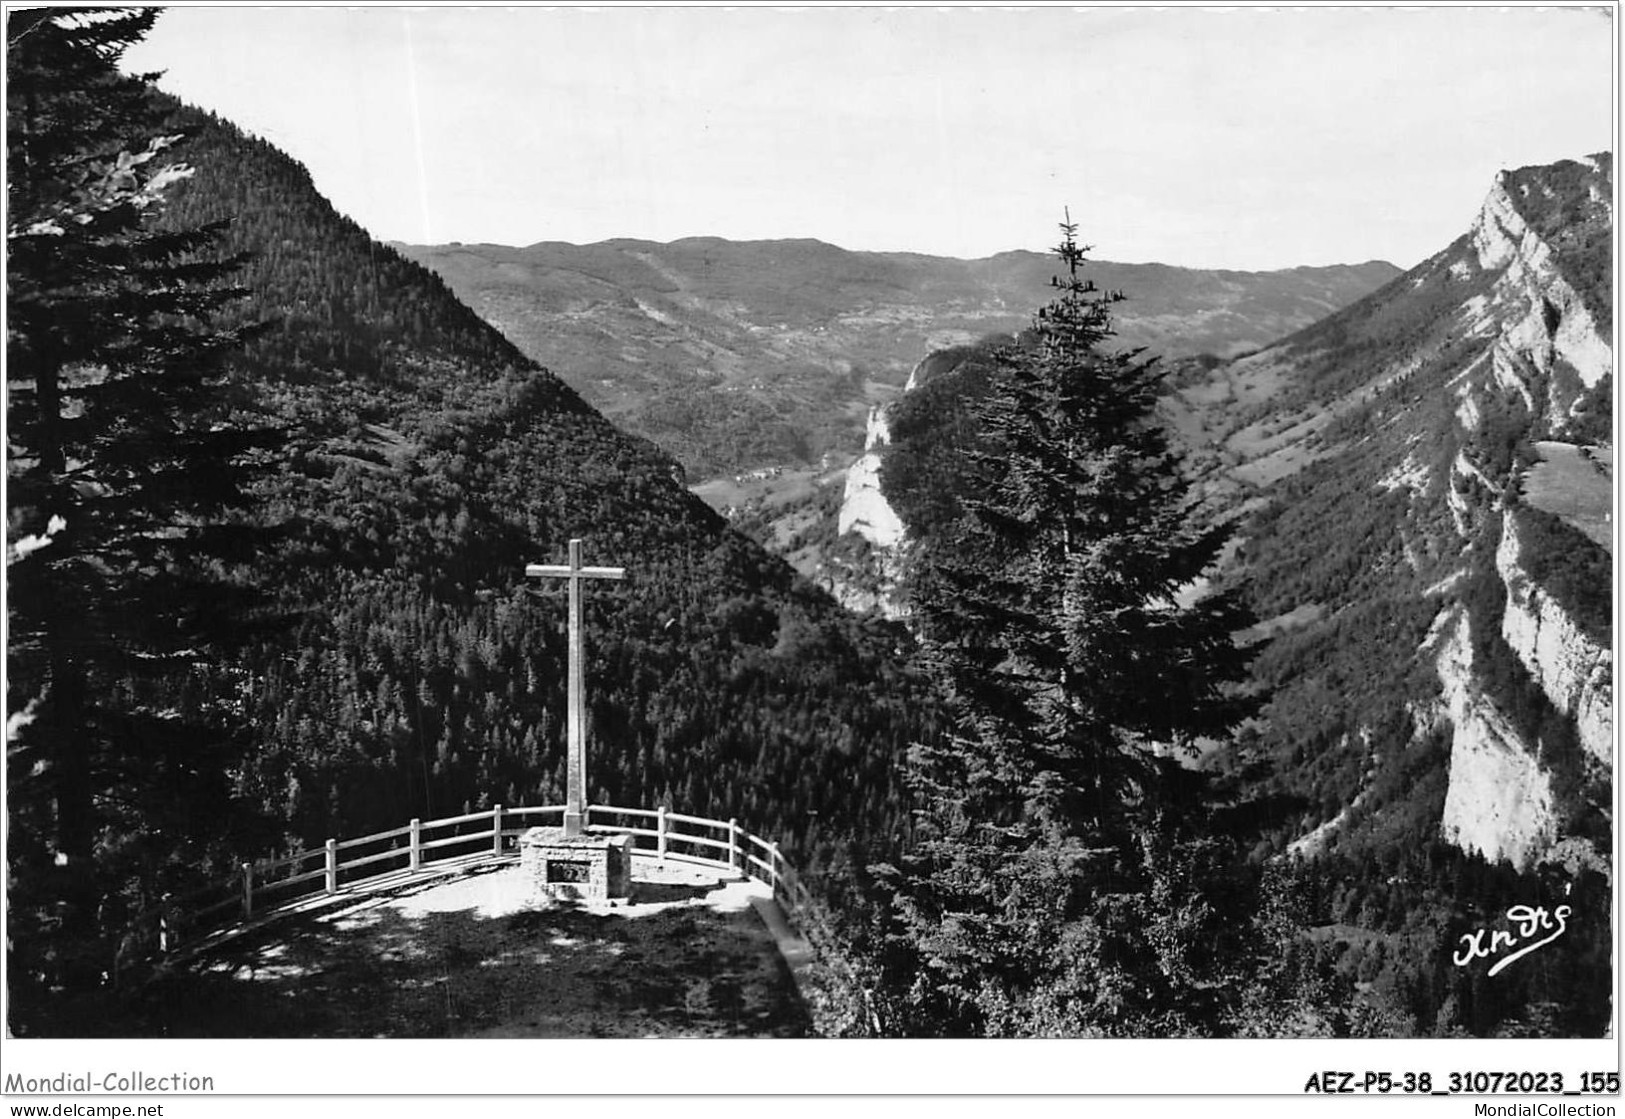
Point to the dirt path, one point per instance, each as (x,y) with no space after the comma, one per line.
(470,957)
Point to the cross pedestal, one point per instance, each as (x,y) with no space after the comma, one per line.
(577,867)
(575,799)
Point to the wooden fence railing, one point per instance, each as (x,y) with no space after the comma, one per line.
(260,889)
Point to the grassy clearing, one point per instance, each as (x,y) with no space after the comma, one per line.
(1575,483)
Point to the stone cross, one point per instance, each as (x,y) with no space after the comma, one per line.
(576,762)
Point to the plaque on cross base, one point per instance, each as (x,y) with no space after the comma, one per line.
(566,867)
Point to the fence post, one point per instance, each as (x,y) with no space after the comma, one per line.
(248,890)
(733,844)
(660,831)
(332,866)
(773,863)
(415,853)
(496,830)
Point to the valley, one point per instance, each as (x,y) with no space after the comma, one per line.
(1202,664)
(738,356)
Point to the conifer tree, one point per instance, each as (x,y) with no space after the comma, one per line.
(125,459)
(1058,613)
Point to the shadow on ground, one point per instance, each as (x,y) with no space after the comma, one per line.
(687,970)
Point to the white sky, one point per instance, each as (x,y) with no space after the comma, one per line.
(1246,138)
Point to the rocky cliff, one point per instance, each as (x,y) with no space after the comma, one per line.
(1500,801)
(1574,670)
(874,513)
(1543,357)
(1541,319)
(1405,452)
(866,579)
(864,509)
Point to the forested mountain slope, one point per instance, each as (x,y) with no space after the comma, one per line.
(425,461)
(431,463)
(733,355)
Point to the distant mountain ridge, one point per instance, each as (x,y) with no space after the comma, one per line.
(734,355)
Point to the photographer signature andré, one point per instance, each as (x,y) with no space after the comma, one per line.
(1528,922)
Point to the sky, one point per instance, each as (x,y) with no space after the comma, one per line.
(1244,137)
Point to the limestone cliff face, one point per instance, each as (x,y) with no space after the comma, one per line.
(1533,314)
(1507,329)
(1504,240)
(870,584)
(1574,671)
(1500,801)
(864,509)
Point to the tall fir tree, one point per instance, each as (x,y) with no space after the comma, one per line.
(126,461)
(1058,613)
